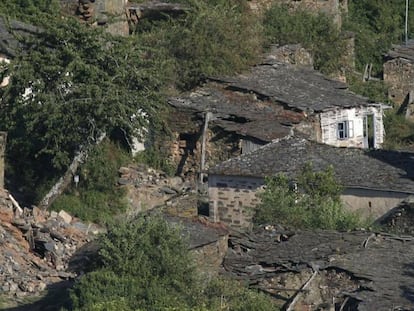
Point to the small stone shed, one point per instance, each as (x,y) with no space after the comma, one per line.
(399,73)
(374,181)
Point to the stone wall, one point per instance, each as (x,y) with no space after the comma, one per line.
(210,257)
(372,204)
(399,76)
(329,125)
(232,199)
(184,147)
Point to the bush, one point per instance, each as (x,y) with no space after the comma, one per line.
(399,131)
(314,204)
(144,261)
(213,38)
(317,33)
(144,264)
(97,197)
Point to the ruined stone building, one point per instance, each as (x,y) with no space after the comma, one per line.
(399,76)
(375,181)
(269,102)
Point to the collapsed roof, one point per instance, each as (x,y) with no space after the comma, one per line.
(240,113)
(405,51)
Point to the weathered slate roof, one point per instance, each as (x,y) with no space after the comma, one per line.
(10,31)
(299,88)
(240,113)
(198,232)
(382,264)
(354,168)
(405,51)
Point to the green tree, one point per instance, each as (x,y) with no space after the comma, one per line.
(316,32)
(213,38)
(376,24)
(82,83)
(311,202)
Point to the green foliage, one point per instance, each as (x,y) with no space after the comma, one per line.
(97,197)
(155,159)
(83,83)
(317,33)
(377,24)
(29,10)
(223,294)
(374,90)
(144,264)
(144,261)
(315,204)
(399,131)
(213,38)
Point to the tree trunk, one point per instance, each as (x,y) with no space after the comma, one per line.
(60,186)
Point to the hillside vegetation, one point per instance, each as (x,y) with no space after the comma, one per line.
(78,83)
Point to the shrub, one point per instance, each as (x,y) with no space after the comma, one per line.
(97,198)
(317,33)
(144,261)
(314,204)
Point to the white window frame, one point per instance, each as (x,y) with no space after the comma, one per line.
(345,129)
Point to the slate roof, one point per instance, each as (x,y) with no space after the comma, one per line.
(239,113)
(354,168)
(381,264)
(300,88)
(405,51)
(11,32)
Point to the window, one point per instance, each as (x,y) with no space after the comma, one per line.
(345,129)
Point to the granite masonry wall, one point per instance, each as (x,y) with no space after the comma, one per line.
(399,76)
(232,199)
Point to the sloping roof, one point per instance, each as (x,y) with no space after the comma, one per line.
(240,113)
(11,32)
(405,51)
(380,264)
(354,168)
(300,88)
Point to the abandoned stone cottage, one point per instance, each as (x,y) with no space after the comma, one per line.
(374,181)
(399,74)
(267,103)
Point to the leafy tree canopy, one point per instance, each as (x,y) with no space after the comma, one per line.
(75,84)
(377,24)
(214,38)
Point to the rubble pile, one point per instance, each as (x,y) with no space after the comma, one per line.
(36,246)
(325,270)
(148,188)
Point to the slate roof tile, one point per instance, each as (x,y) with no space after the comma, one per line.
(354,168)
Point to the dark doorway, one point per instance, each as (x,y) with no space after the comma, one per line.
(369,131)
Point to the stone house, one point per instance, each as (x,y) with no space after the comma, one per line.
(399,74)
(267,103)
(375,181)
